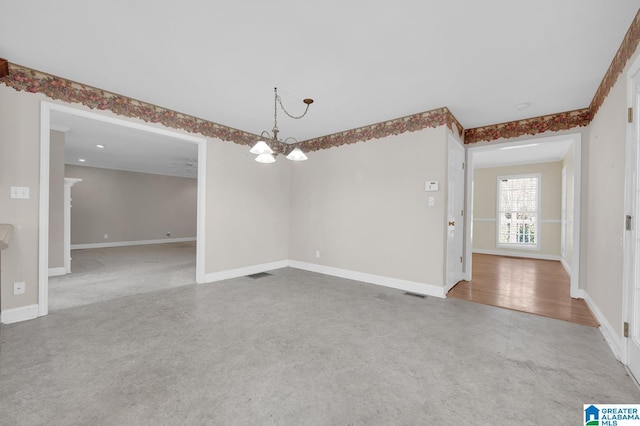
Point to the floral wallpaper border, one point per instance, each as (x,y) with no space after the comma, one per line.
(29,80)
(434,118)
(529,126)
(4,68)
(625,51)
(25,79)
(570,119)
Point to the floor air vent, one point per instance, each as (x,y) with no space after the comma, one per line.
(259,275)
(421,296)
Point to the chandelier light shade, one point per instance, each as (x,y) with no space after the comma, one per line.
(267,151)
(260,148)
(266,158)
(296,155)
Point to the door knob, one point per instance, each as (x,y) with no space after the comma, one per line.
(452,223)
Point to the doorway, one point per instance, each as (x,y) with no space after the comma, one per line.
(47,110)
(631,271)
(563,154)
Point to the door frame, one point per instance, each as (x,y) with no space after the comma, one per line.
(45,143)
(452,141)
(631,207)
(576,144)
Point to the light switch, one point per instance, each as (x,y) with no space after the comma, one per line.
(432,201)
(21,192)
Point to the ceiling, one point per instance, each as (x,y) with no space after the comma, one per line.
(124,148)
(362,62)
(526,152)
(362,65)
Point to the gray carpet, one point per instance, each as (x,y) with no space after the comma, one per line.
(298,348)
(109,273)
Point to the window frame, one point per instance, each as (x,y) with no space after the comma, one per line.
(519,246)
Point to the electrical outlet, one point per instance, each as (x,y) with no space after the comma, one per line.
(106,236)
(317,253)
(18,288)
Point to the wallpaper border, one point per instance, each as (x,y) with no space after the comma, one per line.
(26,79)
(570,119)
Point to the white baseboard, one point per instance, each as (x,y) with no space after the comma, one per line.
(565,265)
(56,272)
(611,337)
(23,313)
(130,243)
(411,286)
(247,270)
(517,254)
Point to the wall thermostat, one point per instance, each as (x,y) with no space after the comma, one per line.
(431,185)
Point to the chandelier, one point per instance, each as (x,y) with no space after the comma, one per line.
(266,152)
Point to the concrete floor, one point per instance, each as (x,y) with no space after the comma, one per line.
(299,348)
(108,273)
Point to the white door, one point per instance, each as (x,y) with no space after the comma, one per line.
(633,239)
(455,206)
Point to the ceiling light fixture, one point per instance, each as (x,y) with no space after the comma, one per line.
(519,146)
(82,160)
(100,146)
(266,152)
(522,106)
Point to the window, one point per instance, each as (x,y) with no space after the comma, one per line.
(518,211)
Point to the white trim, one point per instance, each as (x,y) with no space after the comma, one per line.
(565,265)
(23,313)
(130,243)
(43,236)
(577,185)
(630,256)
(490,219)
(202,212)
(518,254)
(614,342)
(412,286)
(56,272)
(43,214)
(247,270)
(574,289)
(68,184)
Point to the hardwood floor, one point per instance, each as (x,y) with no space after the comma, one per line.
(529,285)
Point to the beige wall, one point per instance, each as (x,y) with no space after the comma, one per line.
(247,208)
(363,206)
(19,166)
(130,206)
(605,168)
(247,203)
(485,205)
(56,200)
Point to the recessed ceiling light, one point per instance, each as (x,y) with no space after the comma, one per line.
(522,106)
(100,146)
(82,160)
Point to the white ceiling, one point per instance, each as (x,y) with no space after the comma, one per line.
(362,62)
(124,148)
(526,152)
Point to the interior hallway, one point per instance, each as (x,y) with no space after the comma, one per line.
(540,287)
(108,273)
(298,348)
